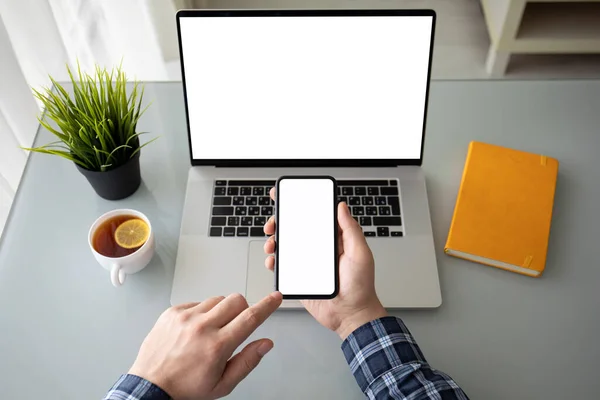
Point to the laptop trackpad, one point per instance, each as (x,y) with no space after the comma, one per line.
(259,280)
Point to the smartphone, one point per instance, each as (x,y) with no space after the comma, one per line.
(306,254)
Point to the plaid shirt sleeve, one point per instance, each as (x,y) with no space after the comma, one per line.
(388,364)
(131,387)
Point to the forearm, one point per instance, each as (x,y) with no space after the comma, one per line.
(131,387)
(388,364)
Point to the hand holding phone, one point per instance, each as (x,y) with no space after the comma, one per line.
(357,302)
(306,264)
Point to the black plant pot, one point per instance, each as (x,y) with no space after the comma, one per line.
(117,183)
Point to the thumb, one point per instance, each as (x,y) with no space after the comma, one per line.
(347,224)
(240,365)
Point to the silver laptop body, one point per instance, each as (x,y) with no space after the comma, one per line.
(335,92)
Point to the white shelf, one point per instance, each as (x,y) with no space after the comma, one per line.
(540,27)
(556,46)
(494,12)
(560,21)
(559,27)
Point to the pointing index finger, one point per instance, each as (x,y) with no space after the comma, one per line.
(251,318)
(272,193)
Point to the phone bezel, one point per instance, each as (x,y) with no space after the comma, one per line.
(335,241)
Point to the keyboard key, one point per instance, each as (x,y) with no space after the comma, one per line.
(266,210)
(246,191)
(347,191)
(368,234)
(229,231)
(252,183)
(358,211)
(387,221)
(264,201)
(393,182)
(246,221)
(383,231)
(222,201)
(233,221)
(371,210)
(272,202)
(222,211)
(339,191)
(360,191)
(242,231)
(232,191)
(372,191)
(238,201)
(367,201)
(253,210)
(343,199)
(354,201)
(388,191)
(219,191)
(365,221)
(257,232)
(260,221)
(221,183)
(268,190)
(397,234)
(384,210)
(216,231)
(355,218)
(361,183)
(251,201)
(258,191)
(380,201)
(218,221)
(395,204)
(241,211)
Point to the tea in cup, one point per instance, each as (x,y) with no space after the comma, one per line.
(122,241)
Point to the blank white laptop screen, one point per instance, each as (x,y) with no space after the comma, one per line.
(343,87)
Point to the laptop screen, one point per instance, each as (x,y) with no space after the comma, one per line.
(316,87)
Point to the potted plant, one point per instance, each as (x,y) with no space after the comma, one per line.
(96,128)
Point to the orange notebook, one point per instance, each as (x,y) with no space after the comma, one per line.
(504,209)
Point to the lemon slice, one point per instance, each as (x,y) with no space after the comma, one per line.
(132,233)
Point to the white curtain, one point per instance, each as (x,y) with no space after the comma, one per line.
(40,37)
(18,110)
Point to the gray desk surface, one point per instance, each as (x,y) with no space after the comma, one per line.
(66,333)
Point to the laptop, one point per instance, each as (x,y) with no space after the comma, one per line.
(327,92)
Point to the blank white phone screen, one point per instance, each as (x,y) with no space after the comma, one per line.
(305,233)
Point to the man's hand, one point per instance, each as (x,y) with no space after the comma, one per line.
(188,352)
(356,302)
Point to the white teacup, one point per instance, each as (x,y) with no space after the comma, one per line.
(119,267)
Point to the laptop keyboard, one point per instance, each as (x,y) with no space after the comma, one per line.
(375,204)
(241,207)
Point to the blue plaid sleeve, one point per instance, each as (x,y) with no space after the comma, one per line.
(388,364)
(131,387)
